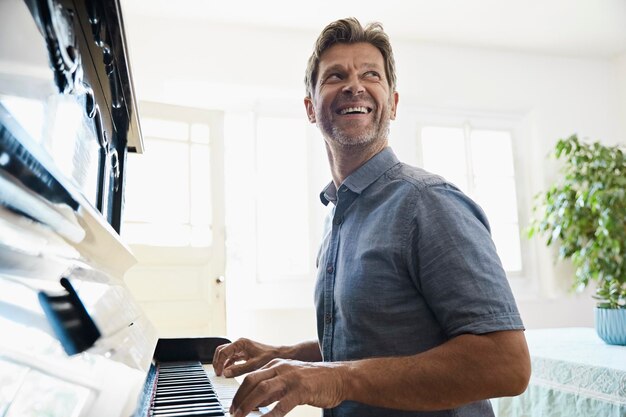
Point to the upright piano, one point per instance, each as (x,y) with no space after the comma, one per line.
(73,342)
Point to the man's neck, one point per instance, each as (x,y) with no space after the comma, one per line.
(345,160)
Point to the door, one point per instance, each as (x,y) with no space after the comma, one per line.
(174,220)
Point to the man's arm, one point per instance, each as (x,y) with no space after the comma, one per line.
(227,357)
(467,368)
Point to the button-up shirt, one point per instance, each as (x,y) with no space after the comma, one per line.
(407,262)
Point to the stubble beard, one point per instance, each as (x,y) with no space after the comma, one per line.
(377,130)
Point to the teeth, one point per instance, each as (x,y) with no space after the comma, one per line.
(354,110)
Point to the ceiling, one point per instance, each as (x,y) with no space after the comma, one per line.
(582,28)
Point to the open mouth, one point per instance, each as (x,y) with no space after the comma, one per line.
(355,110)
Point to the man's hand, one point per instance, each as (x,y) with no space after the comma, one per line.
(290,383)
(253,353)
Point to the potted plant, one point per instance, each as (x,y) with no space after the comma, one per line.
(584,215)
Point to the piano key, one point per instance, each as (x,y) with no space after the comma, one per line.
(225,388)
(178,377)
(187,409)
(183,390)
(171,400)
(186,395)
(183,406)
(192,389)
(184,383)
(190,384)
(181,375)
(194,405)
(194,413)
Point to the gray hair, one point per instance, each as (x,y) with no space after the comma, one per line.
(349,31)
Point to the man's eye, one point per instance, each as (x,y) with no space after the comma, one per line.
(372,74)
(333,77)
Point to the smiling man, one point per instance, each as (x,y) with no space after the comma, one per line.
(353,103)
(415,316)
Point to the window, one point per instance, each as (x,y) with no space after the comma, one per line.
(168,198)
(480,162)
(282,204)
(275,167)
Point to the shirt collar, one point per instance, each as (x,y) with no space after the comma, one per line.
(364,176)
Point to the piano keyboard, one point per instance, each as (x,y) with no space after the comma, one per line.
(190,389)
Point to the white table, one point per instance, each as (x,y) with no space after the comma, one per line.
(574,374)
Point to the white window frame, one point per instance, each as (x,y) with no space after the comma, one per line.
(214,119)
(245,285)
(524,283)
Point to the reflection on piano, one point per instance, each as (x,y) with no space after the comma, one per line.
(72,340)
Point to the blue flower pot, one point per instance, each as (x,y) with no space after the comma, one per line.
(611,325)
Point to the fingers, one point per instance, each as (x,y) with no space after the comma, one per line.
(291,383)
(219,357)
(227,354)
(257,390)
(282,408)
(232,370)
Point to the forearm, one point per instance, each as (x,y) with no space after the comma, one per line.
(465,369)
(306,351)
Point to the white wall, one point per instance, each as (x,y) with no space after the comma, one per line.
(620,74)
(240,68)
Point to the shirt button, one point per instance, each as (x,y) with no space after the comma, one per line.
(328,318)
(337,221)
(330,269)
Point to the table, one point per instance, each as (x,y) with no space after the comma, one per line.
(574,374)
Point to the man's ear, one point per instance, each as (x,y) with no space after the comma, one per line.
(394,105)
(310,110)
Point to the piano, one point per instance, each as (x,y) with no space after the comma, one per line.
(73,342)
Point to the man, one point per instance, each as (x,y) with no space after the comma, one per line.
(415,315)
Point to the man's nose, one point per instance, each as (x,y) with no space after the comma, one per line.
(353,86)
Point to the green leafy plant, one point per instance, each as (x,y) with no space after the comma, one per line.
(584,215)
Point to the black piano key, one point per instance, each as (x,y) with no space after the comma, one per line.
(185,373)
(185,402)
(186,408)
(181,399)
(178,377)
(184,389)
(198,413)
(189,384)
(185,395)
(183,382)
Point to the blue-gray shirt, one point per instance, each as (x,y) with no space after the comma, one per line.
(407,262)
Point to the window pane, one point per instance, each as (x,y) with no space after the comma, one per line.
(507,240)
(497,196)
(492,152)
(492,183)
(200,185)
(282,202)
(443,153)
(158,183)
(165,129)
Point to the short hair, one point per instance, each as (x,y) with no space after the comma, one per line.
(350,31)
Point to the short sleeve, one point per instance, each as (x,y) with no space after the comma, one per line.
(454,264)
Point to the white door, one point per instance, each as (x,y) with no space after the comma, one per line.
(174,220)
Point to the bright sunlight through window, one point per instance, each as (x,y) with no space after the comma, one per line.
(480,162)
(168,197)
(282,199)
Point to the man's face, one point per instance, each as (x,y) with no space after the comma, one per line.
(352,104)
